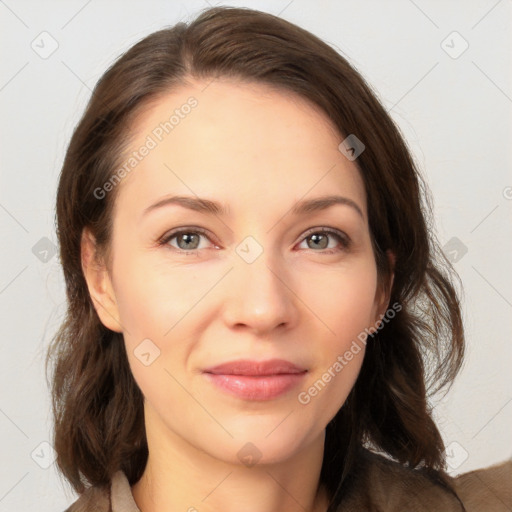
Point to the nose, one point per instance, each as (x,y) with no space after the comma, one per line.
(260,296)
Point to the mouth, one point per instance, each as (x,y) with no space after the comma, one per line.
(253,380)
(256,368)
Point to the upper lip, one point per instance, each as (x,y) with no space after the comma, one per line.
(248,367)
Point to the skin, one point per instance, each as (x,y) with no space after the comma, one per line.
(258,151)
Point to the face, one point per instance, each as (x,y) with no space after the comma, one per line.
(258,279)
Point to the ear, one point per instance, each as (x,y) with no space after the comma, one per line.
(383,294)
(99,283)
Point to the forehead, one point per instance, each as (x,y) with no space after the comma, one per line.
(241,143)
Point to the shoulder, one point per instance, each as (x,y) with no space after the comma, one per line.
(488,489)
(380,484)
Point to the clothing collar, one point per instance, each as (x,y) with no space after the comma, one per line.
(121,494)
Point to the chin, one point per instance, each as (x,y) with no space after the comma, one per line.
(255,444)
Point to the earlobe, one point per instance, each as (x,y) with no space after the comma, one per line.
(99,283)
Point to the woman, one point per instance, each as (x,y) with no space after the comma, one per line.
(254,293)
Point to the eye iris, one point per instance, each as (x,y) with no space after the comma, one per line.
(187,237)
(316,236)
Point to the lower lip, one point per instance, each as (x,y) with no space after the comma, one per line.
(250,387)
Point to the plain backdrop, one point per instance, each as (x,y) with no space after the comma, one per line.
(441,69)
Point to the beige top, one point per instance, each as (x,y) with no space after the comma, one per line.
(118,499)
(122,498)
(379,484)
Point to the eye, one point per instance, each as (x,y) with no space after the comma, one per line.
(186,239)
(320,240)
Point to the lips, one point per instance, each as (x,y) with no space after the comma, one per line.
(256,380)
(256,368)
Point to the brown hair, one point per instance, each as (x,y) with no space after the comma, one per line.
(97,405)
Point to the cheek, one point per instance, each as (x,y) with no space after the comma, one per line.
(153,297)
(342,300)
(344,304)
(158,306)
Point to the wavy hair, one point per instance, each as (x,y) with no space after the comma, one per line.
(97,405)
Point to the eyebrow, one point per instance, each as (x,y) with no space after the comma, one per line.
(204,205)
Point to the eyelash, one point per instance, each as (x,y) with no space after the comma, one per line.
(344,240)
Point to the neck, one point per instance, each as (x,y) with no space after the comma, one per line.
(178,476)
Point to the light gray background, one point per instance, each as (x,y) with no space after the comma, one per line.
(454,112)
